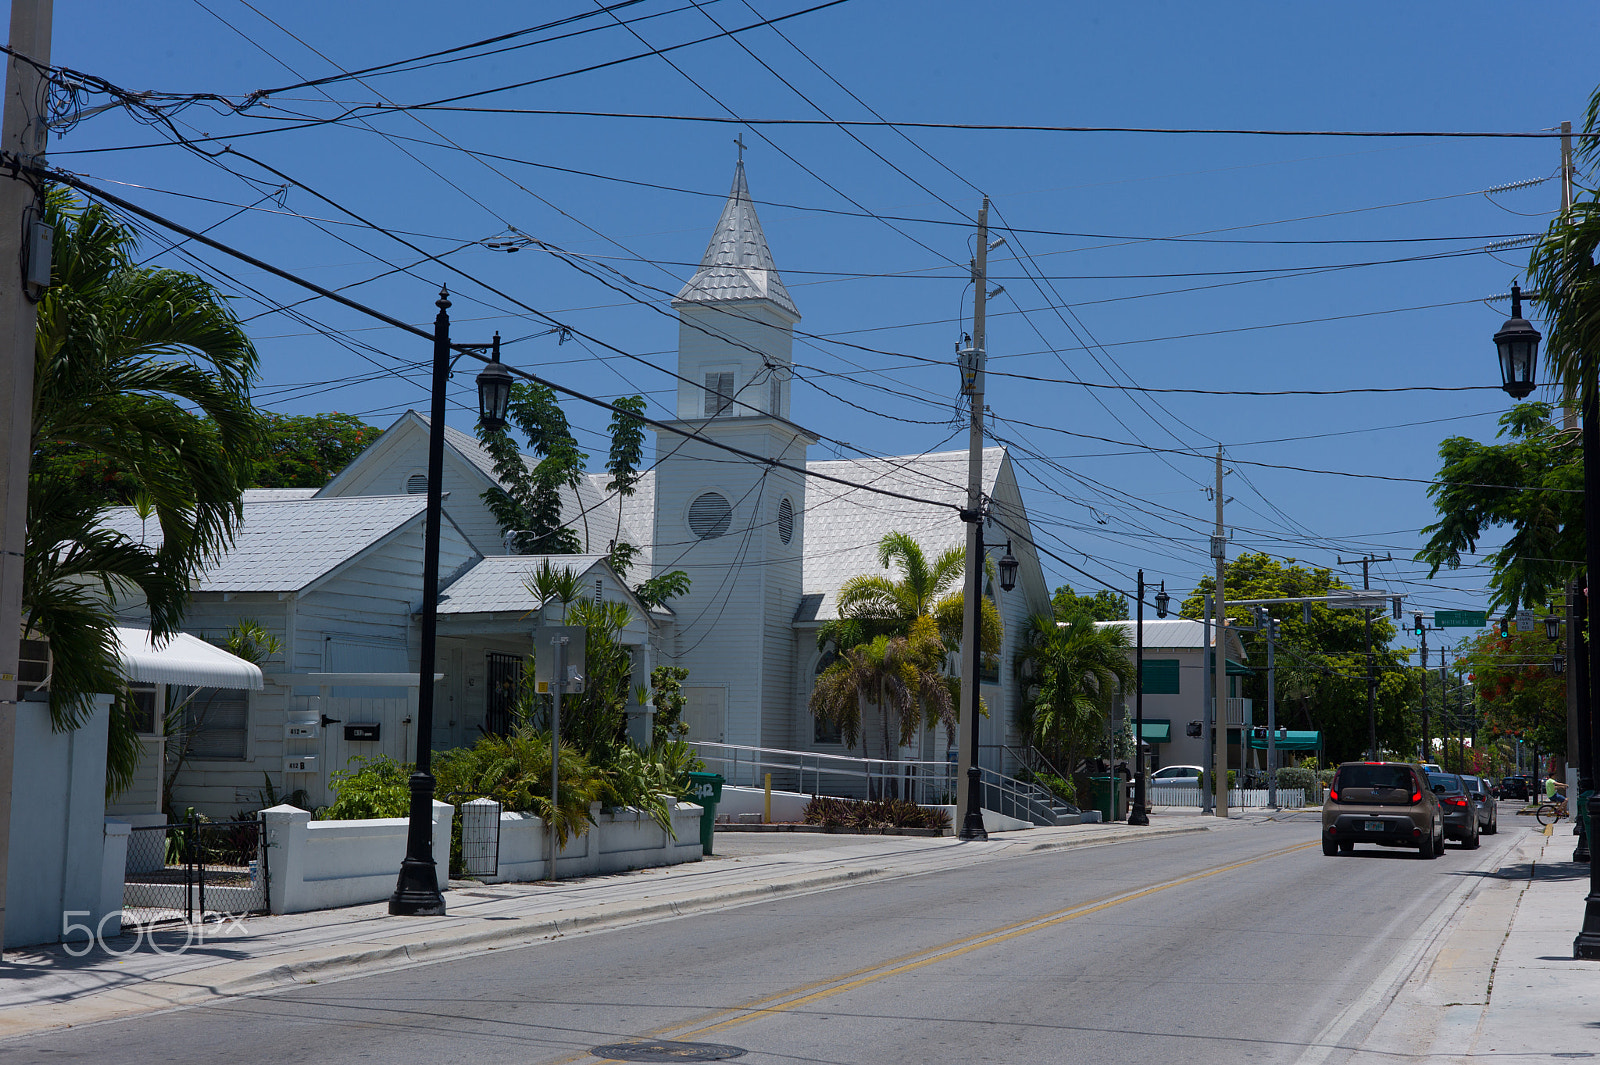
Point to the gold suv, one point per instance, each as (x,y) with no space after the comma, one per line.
(1388,803)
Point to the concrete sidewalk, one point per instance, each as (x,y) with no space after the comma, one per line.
(1501,981)
(47,987)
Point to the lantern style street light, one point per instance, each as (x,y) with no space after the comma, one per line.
(1163,600)
(1518,345)
(494,391)
(416,892)
(1008,569)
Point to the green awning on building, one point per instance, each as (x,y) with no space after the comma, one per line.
(1235,669)
(1156,731)
(1296,741)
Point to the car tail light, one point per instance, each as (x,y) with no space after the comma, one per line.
(1455,800)
(1416,832)
(1416,796)
(1333,795)
(1333,830)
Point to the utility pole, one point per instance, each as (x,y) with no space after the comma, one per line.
(1139,815)
(1219,758)
(972,359)
(22,135)
(1272,712)
(1372,678)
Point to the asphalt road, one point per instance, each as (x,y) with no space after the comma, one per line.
(1241,945)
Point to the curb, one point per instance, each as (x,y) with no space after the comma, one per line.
(335,961)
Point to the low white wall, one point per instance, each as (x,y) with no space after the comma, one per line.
(786,805)
(316,865)
(59,832)
(992,821)
(622,840)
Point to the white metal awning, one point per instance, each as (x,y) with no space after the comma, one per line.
(184,659)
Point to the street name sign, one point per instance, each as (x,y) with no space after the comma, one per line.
(1460,619)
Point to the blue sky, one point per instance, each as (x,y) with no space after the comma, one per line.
(1098,291)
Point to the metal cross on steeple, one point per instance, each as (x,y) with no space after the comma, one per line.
(739,140)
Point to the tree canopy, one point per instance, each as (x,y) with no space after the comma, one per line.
(1321,667)
(1531,484)
(1103,605)
(308,450)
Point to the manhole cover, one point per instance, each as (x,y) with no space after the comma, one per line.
(665,1050)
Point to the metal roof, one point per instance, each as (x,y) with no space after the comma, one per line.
(184,659)
(738,264)
(843,526)
(285,546)
(499,583)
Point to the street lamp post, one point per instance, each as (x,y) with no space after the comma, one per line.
(972,822)
(416,892)
(1140,814)
(1517,344)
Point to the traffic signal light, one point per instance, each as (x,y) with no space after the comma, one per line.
(1417,627)
(1505,626)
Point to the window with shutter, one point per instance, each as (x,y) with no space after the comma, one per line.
(785,520)
(217,721)
(719,393)
(1160,676)
(710,515)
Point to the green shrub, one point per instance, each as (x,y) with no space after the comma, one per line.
(377,787)
(1065,790)
(1294,777)
(514,771)
(888,813)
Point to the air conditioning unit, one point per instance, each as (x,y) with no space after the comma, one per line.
(33,663)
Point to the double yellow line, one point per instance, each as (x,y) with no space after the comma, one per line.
(796,998)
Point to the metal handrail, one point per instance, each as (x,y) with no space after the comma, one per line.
(929,783)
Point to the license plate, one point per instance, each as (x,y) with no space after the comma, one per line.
(1373,826)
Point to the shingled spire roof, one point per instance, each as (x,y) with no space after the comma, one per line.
(738,264)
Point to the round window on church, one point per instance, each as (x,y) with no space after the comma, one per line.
(710,515)
(786,520)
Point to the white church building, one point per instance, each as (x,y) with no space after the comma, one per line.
(335,573)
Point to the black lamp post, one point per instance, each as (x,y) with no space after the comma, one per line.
(1517,344)
(972,819)
(1140,815)
(416,892)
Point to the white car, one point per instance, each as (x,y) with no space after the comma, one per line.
(1177,776)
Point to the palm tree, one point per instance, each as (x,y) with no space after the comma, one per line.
(149,372)
(899,675)
(872,604)
(1074,668)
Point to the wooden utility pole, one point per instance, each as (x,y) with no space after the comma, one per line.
(968,790)
(22,136)
(1219,733)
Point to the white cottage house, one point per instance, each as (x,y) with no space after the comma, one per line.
(337,572)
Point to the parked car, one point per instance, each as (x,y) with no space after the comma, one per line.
(1432,767)
(1388,803)
(1181,775)
(1488,808)
(1460,809)
(1515,787)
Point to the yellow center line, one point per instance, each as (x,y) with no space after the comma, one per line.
(954,949)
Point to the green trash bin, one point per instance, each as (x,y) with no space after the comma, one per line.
(706,790)
(1101,788)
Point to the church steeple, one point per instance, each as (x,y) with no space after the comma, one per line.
(738,264)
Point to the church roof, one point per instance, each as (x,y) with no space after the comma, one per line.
(843,526)
(738,264)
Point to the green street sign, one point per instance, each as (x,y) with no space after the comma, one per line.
(1460,619)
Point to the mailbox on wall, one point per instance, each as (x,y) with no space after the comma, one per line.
(304,763)
(362,732)
(300,730)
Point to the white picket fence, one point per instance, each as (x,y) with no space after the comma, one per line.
(1178,795)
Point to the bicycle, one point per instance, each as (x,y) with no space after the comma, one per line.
(1551,812)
